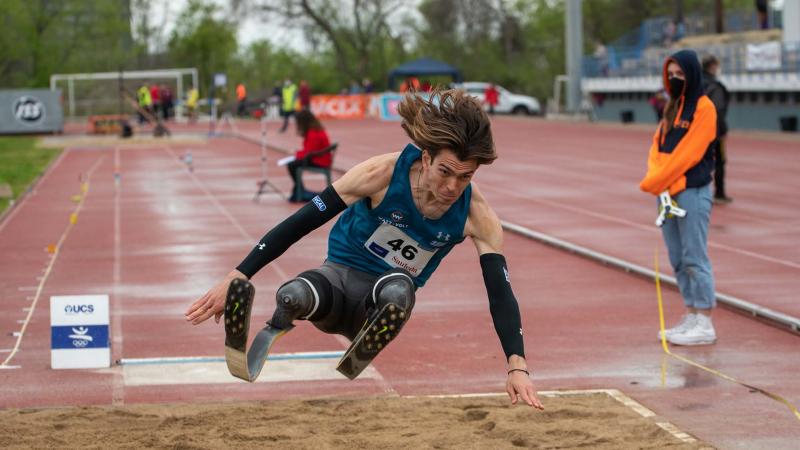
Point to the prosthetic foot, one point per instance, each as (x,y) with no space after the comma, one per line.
(243,363)
(375,335)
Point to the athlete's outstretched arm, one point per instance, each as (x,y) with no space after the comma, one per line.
(363,180)
(484,227)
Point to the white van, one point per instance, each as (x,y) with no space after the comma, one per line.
(507,102)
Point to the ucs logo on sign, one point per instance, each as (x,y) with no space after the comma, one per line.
(29,110)
(79,309)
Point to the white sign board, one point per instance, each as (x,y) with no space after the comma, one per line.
(220,80)
(30,111)
(766,56)
(79,332)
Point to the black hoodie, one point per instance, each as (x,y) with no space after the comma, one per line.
(683,157)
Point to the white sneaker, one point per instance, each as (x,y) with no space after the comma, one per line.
(687,321)
(702,333)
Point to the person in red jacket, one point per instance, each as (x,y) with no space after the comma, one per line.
(305,95)
(491,96)
(314,139)
(155,95)
(680,162)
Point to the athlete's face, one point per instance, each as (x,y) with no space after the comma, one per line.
(446,175)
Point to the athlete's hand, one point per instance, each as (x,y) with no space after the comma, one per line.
(213,303)
(519,385)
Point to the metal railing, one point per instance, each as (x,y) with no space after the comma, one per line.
(735,58)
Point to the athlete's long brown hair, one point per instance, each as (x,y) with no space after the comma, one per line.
(452,120)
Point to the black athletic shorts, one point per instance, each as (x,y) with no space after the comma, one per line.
(351,292)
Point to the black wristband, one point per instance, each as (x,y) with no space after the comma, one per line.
(502,304)
(311,216)
(519,370)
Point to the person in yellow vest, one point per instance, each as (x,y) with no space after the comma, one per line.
(241,98)
(192,97)
(145,102)
(288,99)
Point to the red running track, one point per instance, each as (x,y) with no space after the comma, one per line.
(579,182)
(167,235)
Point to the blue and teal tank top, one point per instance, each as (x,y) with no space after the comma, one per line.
(395,233)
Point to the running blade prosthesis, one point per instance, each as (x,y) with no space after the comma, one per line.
(243,363)
(374,336)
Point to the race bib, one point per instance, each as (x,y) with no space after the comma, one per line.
(390,244)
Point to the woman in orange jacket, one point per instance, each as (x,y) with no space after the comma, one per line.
(681,161)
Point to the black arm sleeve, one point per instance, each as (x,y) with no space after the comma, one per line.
(502,304)
(313,215)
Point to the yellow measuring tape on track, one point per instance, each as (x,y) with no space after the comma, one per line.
(700,366)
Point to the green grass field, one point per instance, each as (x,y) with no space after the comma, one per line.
(21,161)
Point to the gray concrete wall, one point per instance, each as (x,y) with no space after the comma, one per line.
(760,111)
(612,109)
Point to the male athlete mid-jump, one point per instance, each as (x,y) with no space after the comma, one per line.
(401,214)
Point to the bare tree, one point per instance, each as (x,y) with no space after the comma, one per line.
(479,18)
(355,29)
(147,33)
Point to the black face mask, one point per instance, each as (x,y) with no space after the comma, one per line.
(676,87)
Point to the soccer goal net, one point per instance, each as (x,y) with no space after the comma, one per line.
(89,94)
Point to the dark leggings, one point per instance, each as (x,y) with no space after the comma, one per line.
(719,168)
(292,167)
(346,297)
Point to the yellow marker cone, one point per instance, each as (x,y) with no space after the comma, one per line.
(76,198)
(51,248)
(73,218)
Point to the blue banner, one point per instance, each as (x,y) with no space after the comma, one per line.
(79,336)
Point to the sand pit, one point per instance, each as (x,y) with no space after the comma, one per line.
(595,421)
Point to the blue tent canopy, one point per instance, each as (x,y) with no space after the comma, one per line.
(423,66)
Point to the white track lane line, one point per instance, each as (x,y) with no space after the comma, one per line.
(19,335)
(648,228)
(118,382)
(247,236)
(24,201)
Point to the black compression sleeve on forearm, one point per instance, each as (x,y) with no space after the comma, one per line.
(502,304)
(313,215)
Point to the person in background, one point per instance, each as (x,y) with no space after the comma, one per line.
(762,9)
(288,99)
(354,88)
(241,100)
(680,162)
(145,103)
(155,95)
(491,96)
(367,86)
(167,102)
(314,139)
(305,96)
(658,101)
(192,98)
(721,98)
